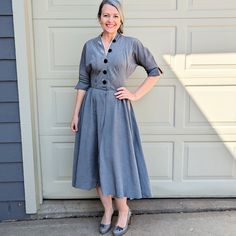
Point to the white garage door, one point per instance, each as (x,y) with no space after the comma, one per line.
(187,122)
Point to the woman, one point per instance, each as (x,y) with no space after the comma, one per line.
(108,155)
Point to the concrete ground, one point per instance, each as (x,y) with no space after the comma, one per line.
(151,217)
(212,223)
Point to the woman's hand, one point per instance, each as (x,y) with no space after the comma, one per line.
(124,93)
(74,124)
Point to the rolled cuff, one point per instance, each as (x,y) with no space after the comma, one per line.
(153,72)
(81,85)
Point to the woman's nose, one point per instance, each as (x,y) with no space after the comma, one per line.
(110,19)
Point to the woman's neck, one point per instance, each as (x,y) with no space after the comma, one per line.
(107,37)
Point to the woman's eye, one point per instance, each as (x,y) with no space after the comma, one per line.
(106,15)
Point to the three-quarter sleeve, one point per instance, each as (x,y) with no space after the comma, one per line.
(84,72)
(143,57)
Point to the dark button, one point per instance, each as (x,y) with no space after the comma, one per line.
(110,50)
(114,40)
(104,72)
(104,81)
(105,60)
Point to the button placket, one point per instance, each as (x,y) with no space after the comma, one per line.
(105,60)
(104,81)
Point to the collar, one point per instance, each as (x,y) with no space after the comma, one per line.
(117,36)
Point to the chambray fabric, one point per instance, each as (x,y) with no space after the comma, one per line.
(108,151)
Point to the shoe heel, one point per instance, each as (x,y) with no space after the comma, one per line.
(129,222)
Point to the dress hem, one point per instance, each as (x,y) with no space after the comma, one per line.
(113,194)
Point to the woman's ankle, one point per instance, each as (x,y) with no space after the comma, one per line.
(124,210)
(109,209)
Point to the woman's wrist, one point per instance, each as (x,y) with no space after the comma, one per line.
(75,115)
(136,96)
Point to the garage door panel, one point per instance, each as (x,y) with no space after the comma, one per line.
(210,188)
(211,106)
(153,5)
(162,112)
(206,49)
(63,43)
(159,158)
(211,5)
(72,2)
(193,115)
(209,160)
(65,8)
(203,53)
(56,102)
(57,168)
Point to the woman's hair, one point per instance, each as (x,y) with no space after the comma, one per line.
(117,5)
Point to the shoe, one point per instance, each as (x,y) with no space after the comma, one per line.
(117,231)
(104,228)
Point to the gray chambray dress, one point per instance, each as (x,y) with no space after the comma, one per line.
(108,151)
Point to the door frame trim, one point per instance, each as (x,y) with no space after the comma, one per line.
(25,65)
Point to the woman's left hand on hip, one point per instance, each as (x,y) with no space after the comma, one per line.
(124,93)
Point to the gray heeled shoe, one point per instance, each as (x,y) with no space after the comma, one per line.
(117,231)
(105,228)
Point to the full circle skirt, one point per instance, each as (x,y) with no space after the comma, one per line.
(107,150)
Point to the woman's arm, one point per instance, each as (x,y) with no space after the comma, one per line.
(79,99)
(146,86)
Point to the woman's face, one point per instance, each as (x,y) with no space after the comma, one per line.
(110,19)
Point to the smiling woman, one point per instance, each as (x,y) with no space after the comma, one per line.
(110,13)
(108,154)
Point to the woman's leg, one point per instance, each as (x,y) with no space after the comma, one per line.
(107,204)
(123,208)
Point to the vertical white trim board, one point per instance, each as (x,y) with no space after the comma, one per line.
(26,122)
